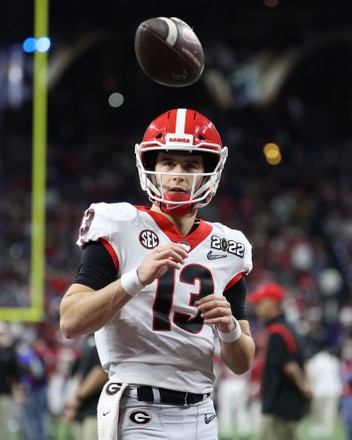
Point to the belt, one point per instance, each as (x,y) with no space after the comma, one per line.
(168,397)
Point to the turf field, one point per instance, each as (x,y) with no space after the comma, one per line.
(59,431)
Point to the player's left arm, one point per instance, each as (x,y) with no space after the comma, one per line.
(220,310)
(238,355)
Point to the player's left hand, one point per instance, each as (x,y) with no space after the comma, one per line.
(215,309)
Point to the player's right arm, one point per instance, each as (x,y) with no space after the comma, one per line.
(85,309)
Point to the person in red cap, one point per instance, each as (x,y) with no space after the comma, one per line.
(285,387)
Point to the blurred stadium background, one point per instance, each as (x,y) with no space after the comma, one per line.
(278,86)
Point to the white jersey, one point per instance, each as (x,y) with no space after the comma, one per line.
(158,338)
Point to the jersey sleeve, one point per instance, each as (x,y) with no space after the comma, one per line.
(97,268)
(247,256)
(95,225)
(236,296)
(242,248)
(102,221)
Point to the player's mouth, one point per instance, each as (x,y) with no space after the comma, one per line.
(177,189)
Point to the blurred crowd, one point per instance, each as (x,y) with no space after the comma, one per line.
(47,391)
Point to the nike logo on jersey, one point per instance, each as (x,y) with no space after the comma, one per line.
(209,419)
(106,413)
(212,256)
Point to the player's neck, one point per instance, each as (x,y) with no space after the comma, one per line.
(183,223)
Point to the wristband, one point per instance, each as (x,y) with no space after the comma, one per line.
(131,283)
(233,335)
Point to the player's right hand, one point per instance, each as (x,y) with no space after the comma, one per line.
(159,260)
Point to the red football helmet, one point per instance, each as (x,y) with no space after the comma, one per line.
(181,130)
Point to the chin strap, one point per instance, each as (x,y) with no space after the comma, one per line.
(176,210)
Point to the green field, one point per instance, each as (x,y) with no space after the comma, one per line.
(60,431)
(339,434)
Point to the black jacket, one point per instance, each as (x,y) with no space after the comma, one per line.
(279,396)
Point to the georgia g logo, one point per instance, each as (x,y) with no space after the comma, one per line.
(140,417)
(112,388)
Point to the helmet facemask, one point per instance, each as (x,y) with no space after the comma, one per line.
(213,153)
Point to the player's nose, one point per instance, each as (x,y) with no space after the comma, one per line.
(178,170)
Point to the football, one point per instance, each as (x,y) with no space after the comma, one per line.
(169,52)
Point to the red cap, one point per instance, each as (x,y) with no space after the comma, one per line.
(267,291)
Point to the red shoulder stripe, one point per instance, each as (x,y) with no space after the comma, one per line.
(111,251)
(234,280)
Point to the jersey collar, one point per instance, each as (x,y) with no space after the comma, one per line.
(170,230)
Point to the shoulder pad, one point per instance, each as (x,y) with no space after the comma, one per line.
(101,220)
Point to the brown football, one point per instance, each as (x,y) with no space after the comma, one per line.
(169,52)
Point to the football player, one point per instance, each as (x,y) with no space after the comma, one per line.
(158,284)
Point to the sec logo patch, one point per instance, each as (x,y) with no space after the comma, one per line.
(148,239)
(140,417)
